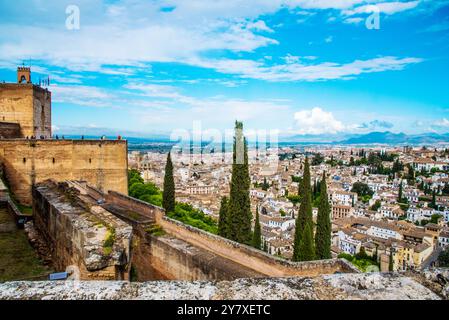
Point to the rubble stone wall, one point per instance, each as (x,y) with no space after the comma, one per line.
(85,236)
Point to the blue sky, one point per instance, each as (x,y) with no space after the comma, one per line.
(307,67)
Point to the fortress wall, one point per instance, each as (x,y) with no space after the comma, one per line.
(247,256)
(148,210)
(76,235)
(168,257)
(9,130)
(102,163)
(42,112)
(16,106)
(258,261)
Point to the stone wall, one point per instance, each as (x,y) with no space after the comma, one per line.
(29,106)
(192,247)
(9,130)
(169,257)
(102,163)
(81,234)
(257,260)
(371,286)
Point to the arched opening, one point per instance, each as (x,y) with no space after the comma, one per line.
(23,79)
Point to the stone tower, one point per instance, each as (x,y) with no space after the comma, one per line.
(23,75)
(26,105)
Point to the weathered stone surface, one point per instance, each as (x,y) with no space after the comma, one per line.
(435,279)
(375,286)
(81,233)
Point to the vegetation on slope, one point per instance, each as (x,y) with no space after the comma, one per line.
(149,192)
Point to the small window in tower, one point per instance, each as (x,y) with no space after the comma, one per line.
(24,160)
(90,160)
(54,160)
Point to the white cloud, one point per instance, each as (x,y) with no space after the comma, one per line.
(305,72)
(317,121)
(388,8)
(329,39)
(353,20)
(443,123)
(82,95)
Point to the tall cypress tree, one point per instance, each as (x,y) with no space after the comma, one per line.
(257,236)
(239,209)
(168,196)
(304,213)
(323,228)
(400,192)
(306,247)
(223,220)
(390,261)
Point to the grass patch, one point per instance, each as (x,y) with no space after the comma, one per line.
(109,241)
(361,263)
(18,260)
(155,230)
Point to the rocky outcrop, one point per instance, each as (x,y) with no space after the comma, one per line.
(436,280)
(373,286)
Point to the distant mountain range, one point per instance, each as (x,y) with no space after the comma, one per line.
(387,137)
(396,138)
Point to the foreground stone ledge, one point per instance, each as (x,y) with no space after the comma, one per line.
(374,286)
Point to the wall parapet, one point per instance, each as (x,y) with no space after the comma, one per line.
(372,286)
(257,260)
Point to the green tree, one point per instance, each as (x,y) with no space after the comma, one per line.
(304,213)
(361,189)
(223,221)
(443,258)
(400,192)
(257,236)
(323,228)
(239,202)
(434,202)
(306,247)
(390,262)
(168,196)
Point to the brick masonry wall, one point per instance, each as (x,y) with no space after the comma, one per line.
(102,163)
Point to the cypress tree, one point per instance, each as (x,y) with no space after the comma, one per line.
(239,209)
(390,262)
(304,213)
(400,192)
(434,202)
(223,221)
(323,228)
(257,236)
(168,196)
(306,247)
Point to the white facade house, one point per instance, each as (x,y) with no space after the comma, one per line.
(443,239)
(347,244)
(283,224)
(343,197)
(391,212)
(383,232)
